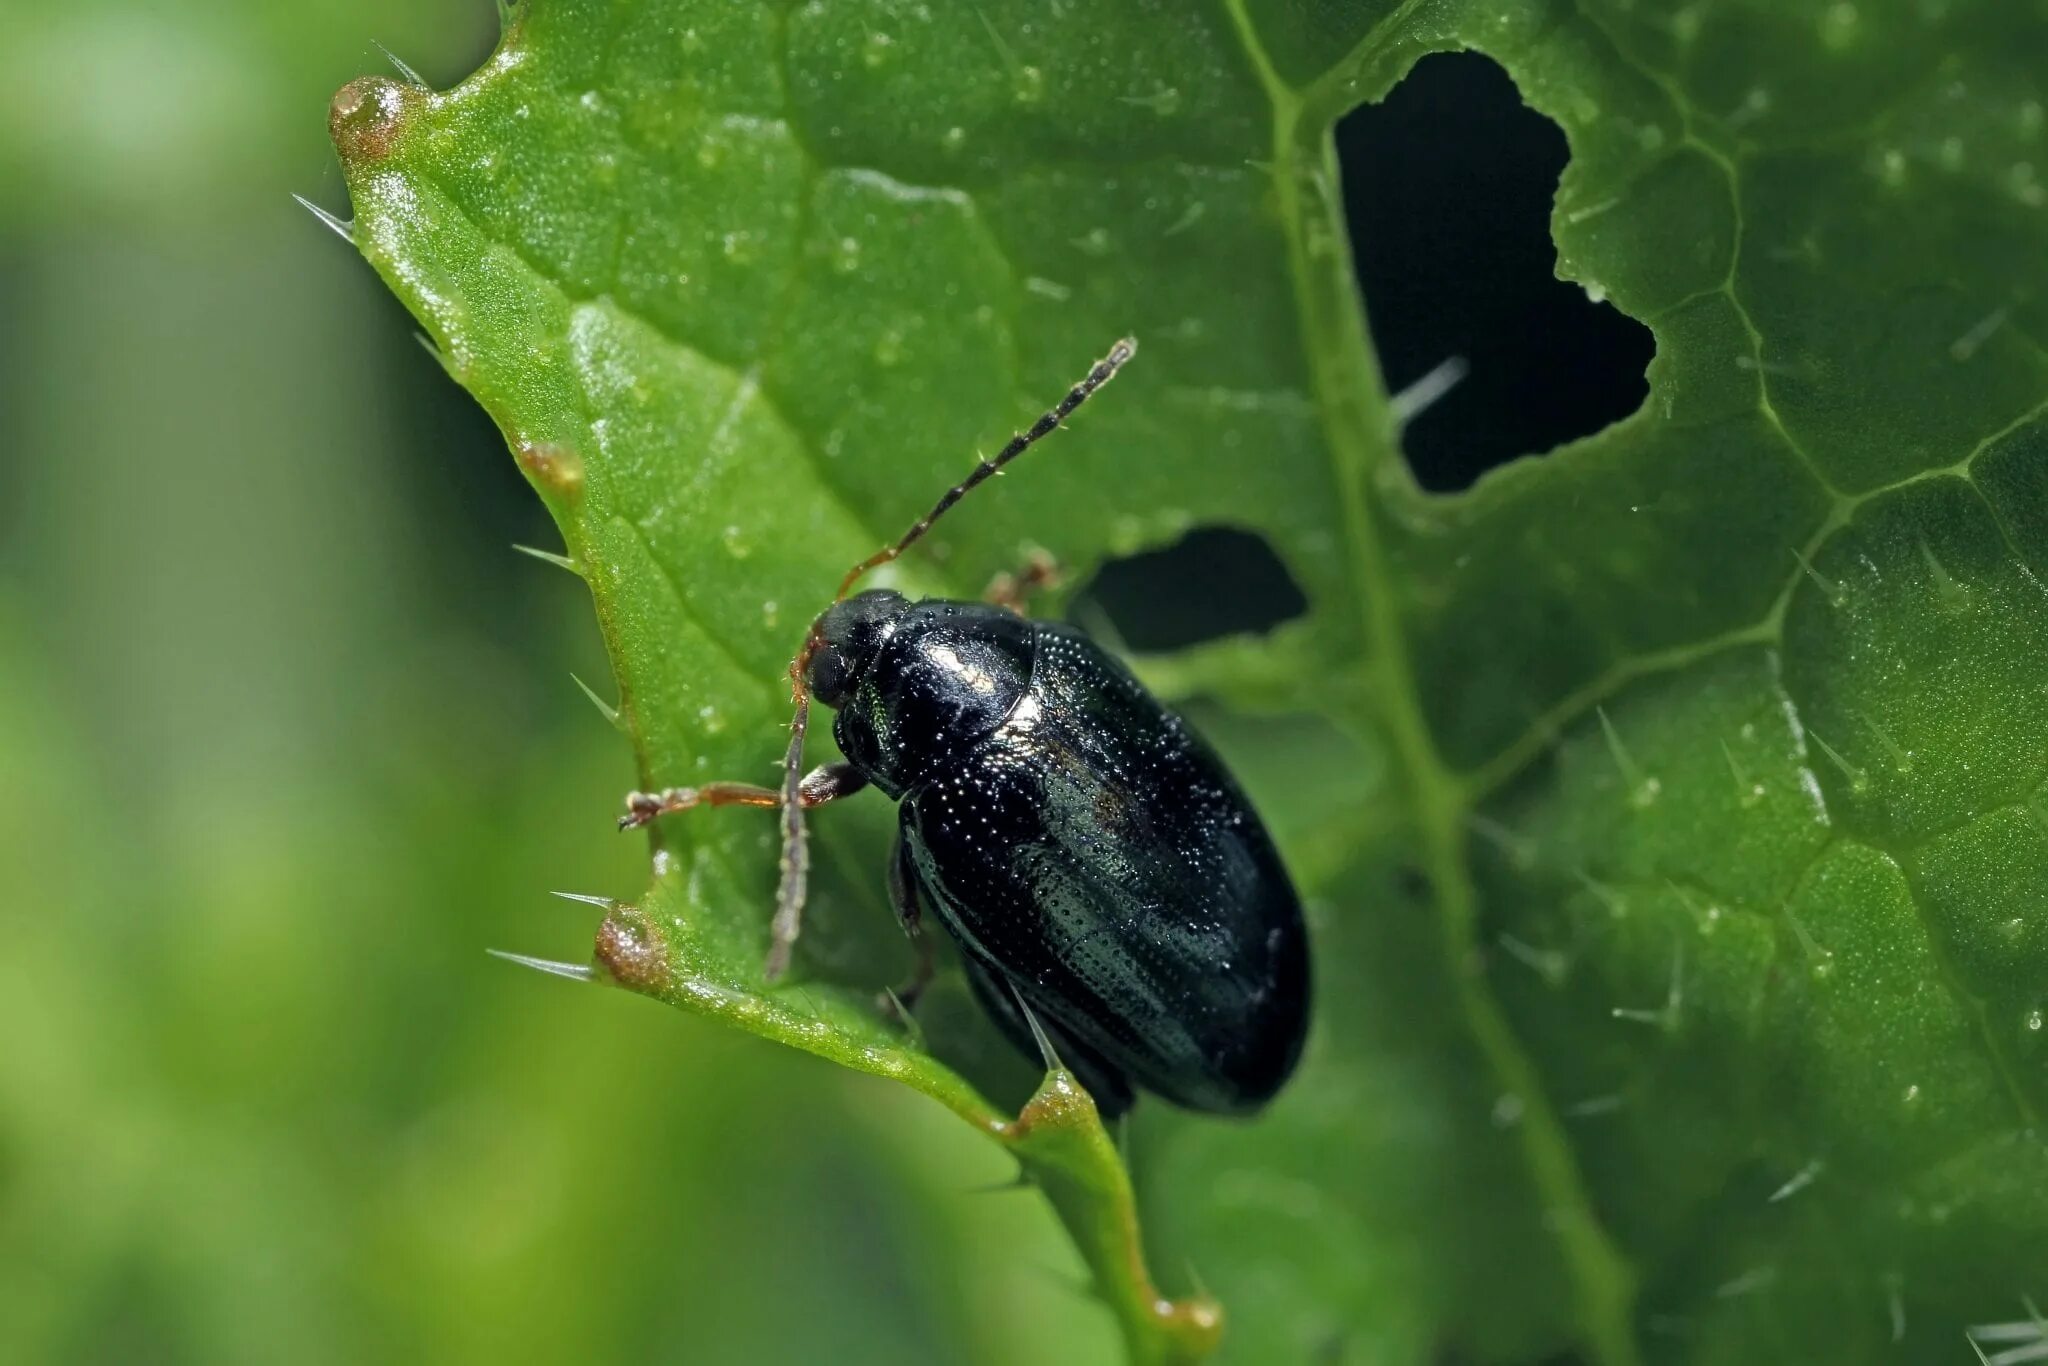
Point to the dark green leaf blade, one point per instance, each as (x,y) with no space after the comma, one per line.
(1674,829)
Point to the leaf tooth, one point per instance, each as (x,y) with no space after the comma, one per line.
(340,227)
(1953,594)
(1188,218)
(2016,1356)
(1706,917)
(1668,1015)
(1859,780)
(1902,758)
(556,469)
(603,903)
(2032,1328)
(1550,964)
(1748,1283)
(1643,788)
(1757,366)
(1519,849)
(441,358)
(1423,394)
(1615,902)
(892,1004)
(575,972)
(634,951)
(1747,790)
(398,64)
(1045,1049)
(1834,592)
(1814,949)
(605,709)
(1966,346)
(550,557)
(2028,1336)
(1594,210)
(1797,1182)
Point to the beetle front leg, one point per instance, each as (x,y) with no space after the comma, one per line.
(825,783)
(1014,591)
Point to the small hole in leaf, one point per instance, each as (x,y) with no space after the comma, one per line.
(1447,186)
(1214,581)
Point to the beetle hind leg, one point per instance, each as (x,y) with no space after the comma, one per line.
(1107,1086)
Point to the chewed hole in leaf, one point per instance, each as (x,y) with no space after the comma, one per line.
(1214,581)
(1448,185)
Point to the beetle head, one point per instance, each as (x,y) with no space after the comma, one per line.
(845,639)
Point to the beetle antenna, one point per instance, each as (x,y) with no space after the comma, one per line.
(1101,373)
(796,853)
(796,849)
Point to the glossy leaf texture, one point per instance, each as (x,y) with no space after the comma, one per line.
(1670,807)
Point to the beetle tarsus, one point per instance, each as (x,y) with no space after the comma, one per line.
(1014,590)
(642,807)
(825,783)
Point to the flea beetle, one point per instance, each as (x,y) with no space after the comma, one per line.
(1102,873)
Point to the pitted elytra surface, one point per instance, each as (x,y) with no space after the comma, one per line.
(1087,850)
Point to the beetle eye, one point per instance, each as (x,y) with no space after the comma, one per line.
(827,677)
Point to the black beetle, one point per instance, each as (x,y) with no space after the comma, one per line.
(1098,867)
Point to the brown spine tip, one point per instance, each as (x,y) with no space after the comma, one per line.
(633,951)
(556,469)
(366,115)
(1059,1102)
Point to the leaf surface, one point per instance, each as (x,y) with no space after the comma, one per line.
(1670,807)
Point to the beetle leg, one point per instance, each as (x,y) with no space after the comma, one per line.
(903,896)
(1106,1085)
(1014,590)
(825,783)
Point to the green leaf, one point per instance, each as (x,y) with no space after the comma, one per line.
(1671,808)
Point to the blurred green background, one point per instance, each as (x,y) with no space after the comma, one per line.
(287,739)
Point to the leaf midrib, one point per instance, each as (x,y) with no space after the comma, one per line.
(1443,795)
(1341,364)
